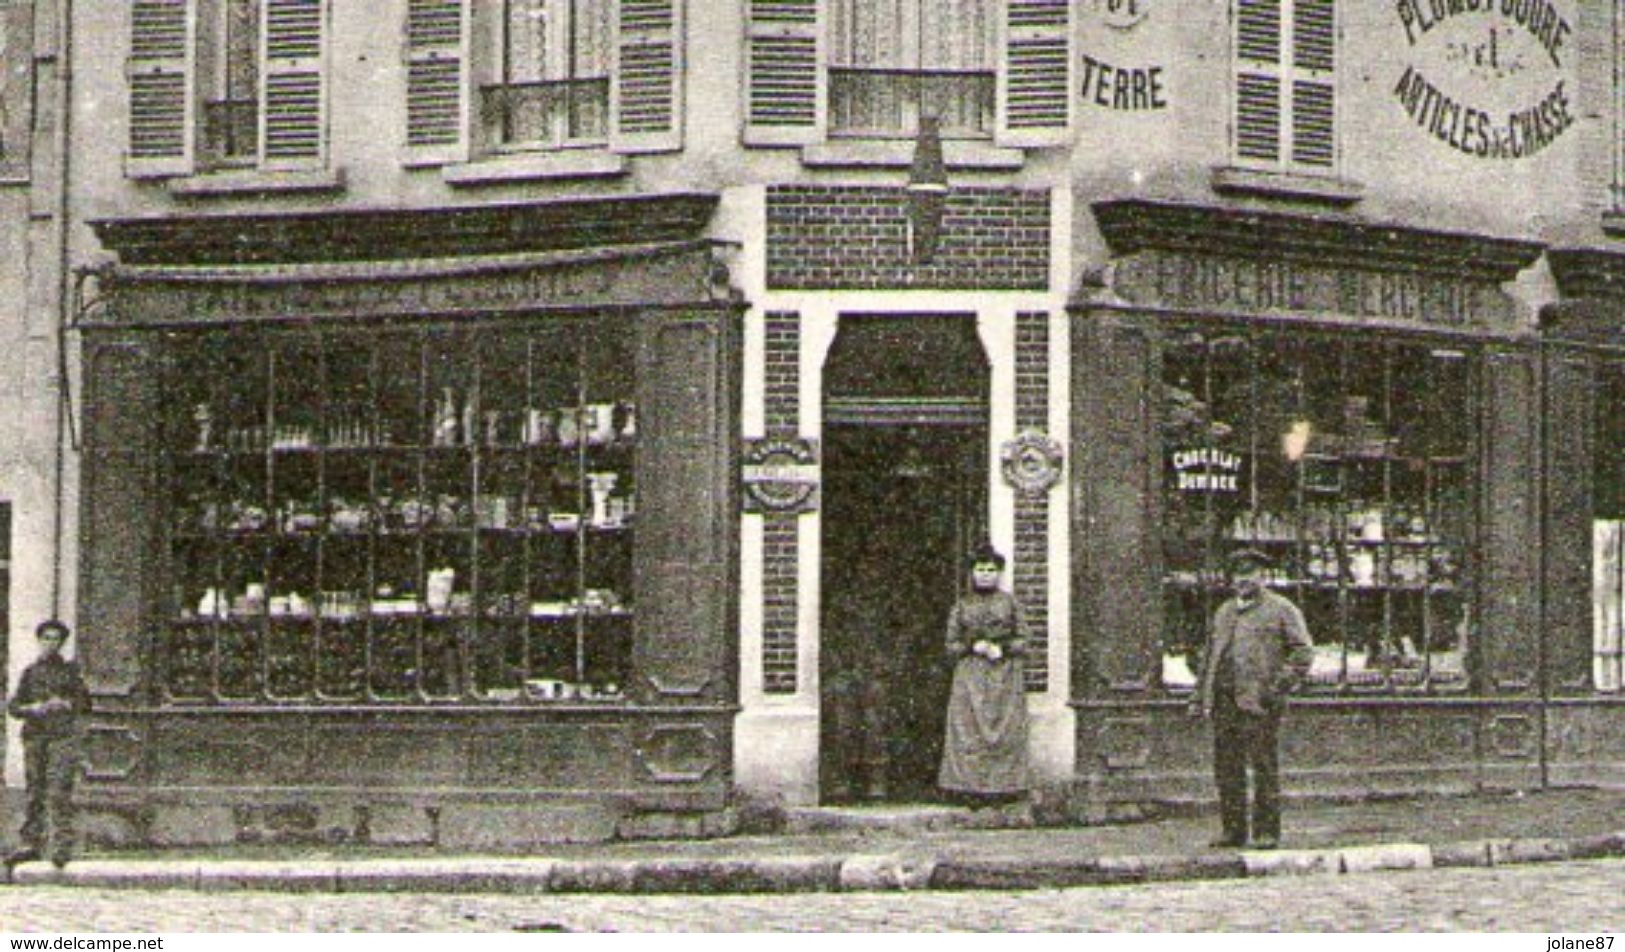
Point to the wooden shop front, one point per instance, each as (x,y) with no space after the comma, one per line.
(412,527)
(1364,403)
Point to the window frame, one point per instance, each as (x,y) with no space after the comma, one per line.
(1390,581)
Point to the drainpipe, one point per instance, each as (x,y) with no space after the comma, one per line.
(65,439)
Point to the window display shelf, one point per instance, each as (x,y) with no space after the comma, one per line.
(390,508)
(1347,461)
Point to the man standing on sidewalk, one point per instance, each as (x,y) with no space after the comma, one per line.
(51,699)
(1258,650)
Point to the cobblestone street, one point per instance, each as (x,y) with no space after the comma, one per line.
(1580,896)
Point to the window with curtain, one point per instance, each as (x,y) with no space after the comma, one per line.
(231,108)
(893,61)
(553,84)
(226,84)
(1349,462)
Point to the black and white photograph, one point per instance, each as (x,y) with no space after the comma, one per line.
(812,466)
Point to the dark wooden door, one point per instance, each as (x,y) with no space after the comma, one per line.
(902,505)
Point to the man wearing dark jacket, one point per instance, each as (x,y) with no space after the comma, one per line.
(51,699)
(1258,650)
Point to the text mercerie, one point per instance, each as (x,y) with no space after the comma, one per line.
(1128,90)
(1538,17)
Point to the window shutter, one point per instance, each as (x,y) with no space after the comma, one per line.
(436,88)
(160,70)
(648,91)
(1258,81)
(292,100)
(1035,85)
(1314,105)
(784,95)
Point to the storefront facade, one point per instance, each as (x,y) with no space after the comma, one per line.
(433,545)
(1362,403)
(565,448)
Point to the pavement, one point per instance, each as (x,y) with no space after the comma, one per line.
(916,848)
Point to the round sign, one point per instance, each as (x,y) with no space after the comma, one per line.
(1032,463)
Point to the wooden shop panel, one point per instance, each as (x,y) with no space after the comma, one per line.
(118,495)
(231,753)
(1116,609)
(558,756)
(687,509)
(379,754)
(1509,590)
(1585,744)
(1570,445)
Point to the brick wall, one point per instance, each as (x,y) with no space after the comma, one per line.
(854,238)
(780,556)
(1031,574)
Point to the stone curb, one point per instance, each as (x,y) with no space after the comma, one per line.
(863,872)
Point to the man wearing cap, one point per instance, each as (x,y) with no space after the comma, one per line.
(1257,652)
(51,700)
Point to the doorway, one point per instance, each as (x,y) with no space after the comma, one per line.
(905,463)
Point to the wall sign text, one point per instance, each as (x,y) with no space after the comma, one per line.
(1255,285)
(1538,17)
(1122,89)
(1206,470)
(1474,130)
(1491,105)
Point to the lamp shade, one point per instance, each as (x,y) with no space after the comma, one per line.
(927,190)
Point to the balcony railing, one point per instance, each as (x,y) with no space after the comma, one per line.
(888,102)
(231,132)
(544,114)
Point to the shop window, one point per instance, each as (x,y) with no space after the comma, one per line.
(495,76)
(218,84)
(892,63)
(851,69)
(428,514)
(1286,85)
(1349,462)
(1608,530)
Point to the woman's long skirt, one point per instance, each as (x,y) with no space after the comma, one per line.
(986,747)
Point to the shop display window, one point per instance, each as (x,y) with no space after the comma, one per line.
(400,515)
(1348,461)
(1608,529)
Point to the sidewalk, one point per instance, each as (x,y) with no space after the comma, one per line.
(921,848)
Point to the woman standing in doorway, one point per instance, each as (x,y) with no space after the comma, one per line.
(984,758)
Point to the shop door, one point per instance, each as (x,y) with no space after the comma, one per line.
(904,498)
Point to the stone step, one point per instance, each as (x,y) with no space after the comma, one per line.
(906,818)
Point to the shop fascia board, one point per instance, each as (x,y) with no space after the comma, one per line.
(1591,288)
(1326,239)
(372,234)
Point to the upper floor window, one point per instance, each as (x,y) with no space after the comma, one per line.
(891,63)
(851,68)
(494,76)
(226,84)
(1286,85)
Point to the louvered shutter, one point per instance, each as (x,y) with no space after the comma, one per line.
(1035,84)
(648,97)
(1258,81)
(1314,92)
(292,96)
(785,77)
(436,88)
(160,71)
